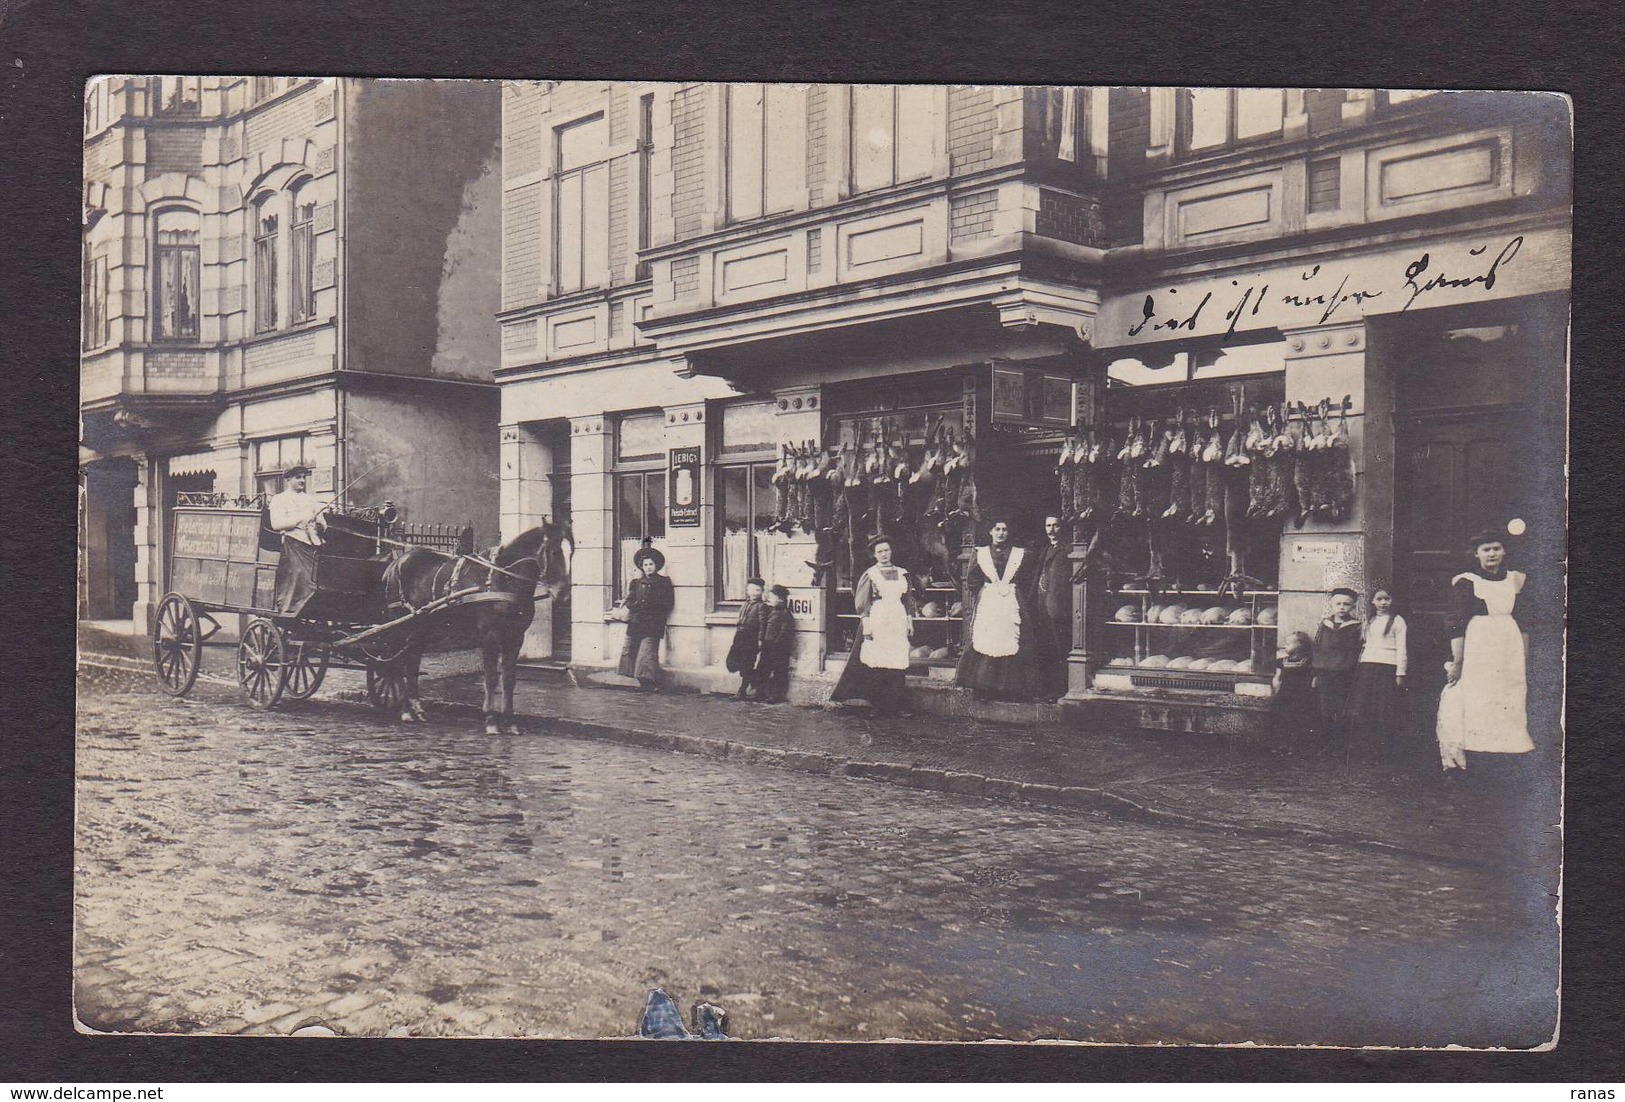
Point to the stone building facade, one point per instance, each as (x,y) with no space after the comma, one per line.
(282,270)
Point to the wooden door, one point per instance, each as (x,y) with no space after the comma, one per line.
(1456,475)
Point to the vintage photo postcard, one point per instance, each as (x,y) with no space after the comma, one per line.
(821,562)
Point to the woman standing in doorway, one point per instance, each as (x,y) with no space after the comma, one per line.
(886,597)
(1484,704)
(1000,660)
(649,601)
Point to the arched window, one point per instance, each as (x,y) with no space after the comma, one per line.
(178,273)
(265,266)
(302,255)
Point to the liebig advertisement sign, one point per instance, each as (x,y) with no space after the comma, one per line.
(1338,289)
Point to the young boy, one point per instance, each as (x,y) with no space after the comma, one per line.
(747,641)
(778,638)
(1337,652)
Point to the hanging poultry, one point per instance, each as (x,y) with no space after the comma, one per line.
(1340,477)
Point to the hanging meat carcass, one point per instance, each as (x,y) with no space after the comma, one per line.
(782,474)
(1303,462)
(1340,480)
(1179,470)
(1132,475)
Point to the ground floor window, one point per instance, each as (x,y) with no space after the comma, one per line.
(272,458)
(640,514)
(752,538)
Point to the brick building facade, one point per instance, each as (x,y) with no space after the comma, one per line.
(283,270)
(745,268)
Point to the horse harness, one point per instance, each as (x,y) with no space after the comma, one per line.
(397,599)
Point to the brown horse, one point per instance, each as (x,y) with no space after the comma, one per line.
(534,565)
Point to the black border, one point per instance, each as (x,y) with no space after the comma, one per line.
(48,48)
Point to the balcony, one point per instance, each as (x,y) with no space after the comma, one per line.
(909,251)
(134,394)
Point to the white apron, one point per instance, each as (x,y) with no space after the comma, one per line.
(1486,710)
(886,627)
(996,632)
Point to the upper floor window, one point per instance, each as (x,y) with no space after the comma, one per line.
(581,204)
(1212,118)
(1059,122)
(894,128)
(177,264)
(764,131)
(265,266)
(95,318)
(301,268)
(176,95)
(266,87)
(1393,98)
(646,146)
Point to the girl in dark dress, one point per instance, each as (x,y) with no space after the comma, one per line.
(1294,708)
(649,601)
(887,597)
(747,641)
(1379,679)
(1000,657)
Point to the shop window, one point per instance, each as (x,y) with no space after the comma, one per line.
(640,490)
(640,514)
(894,134)
(96,323)
(265,266)
(764,131)
(581,205)
(302,266)
(1214,118)
(272,458)
(178,273)
(750,537)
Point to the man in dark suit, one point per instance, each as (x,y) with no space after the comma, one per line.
(1052,600)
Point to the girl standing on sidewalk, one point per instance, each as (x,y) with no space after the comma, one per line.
(1379,679)
(649,601)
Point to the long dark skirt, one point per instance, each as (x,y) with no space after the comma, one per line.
(640,658)
(1333,689)
(1375,712)
(1012,677)
(885,689)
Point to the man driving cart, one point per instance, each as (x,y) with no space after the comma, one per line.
(300,517)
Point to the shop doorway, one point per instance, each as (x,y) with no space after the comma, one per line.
(556,438)
(109,551)
(1478,445)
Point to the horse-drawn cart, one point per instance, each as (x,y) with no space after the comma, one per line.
(224,560)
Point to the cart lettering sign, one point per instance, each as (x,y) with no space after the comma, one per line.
(683,503)
(217,535)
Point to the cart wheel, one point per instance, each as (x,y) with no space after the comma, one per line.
(177,644)
(306,668)
(386,688)
(262,663)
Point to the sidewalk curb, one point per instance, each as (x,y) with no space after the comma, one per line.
(904,775)
(1074,798)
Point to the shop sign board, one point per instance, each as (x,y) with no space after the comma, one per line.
(683,493)
(1027,396)
(807,607)
(1319,290)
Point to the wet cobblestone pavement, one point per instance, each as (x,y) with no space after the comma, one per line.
(251,872)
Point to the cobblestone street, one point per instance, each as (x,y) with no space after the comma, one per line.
(253,872)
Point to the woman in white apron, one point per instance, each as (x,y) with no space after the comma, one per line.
(999,661)
(1483,707)
(886,598)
